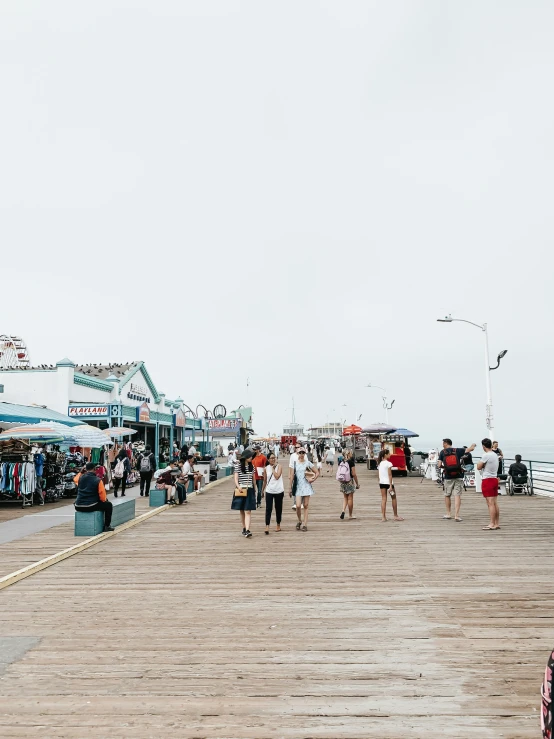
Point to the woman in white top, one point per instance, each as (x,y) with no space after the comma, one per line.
(274,491)
(384,467)
(329,459)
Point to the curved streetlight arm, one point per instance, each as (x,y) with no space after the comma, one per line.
(449,319)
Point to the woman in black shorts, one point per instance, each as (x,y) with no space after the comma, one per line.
(384,468)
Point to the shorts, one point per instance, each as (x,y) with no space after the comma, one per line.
(489,486)
(330,461)
(347,488)
(385,486)
(455,486)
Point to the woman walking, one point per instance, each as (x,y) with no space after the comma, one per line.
(384,467)
(121,469)
(301,477)
(349,485)
(245,484)
(274,491)
(329,459)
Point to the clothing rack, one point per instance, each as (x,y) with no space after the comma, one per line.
(18,479)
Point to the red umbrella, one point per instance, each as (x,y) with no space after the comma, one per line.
(351,430)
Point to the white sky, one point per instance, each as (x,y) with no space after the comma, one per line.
(287,191)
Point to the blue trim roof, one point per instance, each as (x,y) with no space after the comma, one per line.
(12,413)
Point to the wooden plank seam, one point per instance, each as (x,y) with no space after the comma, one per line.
(53,559)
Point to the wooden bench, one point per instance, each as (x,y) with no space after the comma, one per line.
(92,524)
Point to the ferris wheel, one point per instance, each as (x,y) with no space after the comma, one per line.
(13,352)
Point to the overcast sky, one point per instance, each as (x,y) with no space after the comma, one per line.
(290,192)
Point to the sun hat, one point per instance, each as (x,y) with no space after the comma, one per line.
(247,454)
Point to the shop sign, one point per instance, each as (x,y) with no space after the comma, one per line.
(138,392)
(116,411)
(88,411)
(224,425)
(138,389)
(143,413)
(179,419)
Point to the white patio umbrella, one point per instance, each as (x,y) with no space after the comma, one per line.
(89,436)
(117,432)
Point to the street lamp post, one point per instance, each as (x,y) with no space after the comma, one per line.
(489,415)
(386,406)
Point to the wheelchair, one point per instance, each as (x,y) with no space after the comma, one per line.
(518,485)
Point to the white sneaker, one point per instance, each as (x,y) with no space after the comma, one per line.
(294,508)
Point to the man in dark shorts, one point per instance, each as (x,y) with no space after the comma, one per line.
(488,465)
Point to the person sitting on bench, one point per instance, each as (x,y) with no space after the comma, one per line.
(91,495)
(191,473)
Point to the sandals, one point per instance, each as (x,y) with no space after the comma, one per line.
(304,528)
(298,525)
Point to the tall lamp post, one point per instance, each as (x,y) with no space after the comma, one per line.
(386,405)
(489,416)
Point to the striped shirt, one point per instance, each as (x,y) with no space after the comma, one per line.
(245,478)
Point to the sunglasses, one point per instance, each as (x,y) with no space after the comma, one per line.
(301,452)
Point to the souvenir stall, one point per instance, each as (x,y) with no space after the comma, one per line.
(44,472)
(18,478)
(382,436)
(118,434)
(354,442)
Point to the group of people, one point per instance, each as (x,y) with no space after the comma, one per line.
(259,476)
(174,479)
(455,461)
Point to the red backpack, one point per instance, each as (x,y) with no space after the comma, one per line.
(452,467)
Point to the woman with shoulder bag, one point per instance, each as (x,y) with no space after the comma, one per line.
(244,497)
(301,486)
(274,491)
(348,487)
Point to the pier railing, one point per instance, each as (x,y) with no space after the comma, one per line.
(541,474)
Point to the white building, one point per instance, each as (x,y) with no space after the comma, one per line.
(332,429)
(293,429)
(103,395)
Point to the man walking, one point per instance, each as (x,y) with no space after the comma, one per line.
(450,459)
(147,467)
(259,461)
(488,464)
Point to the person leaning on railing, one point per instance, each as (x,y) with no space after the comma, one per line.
(91,494)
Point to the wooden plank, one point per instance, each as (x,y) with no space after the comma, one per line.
(182,628)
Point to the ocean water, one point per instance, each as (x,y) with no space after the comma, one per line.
(537,450)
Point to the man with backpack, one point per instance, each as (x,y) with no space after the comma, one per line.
(450,459)
(147,467)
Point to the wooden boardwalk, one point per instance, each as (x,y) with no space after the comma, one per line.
(181,628)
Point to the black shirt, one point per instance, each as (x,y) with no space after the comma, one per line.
(518,469)
(459,454)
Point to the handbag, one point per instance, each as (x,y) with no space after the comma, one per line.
(310,476)
(294,481)
(241,492)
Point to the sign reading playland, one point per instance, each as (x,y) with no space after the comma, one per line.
(88,411)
